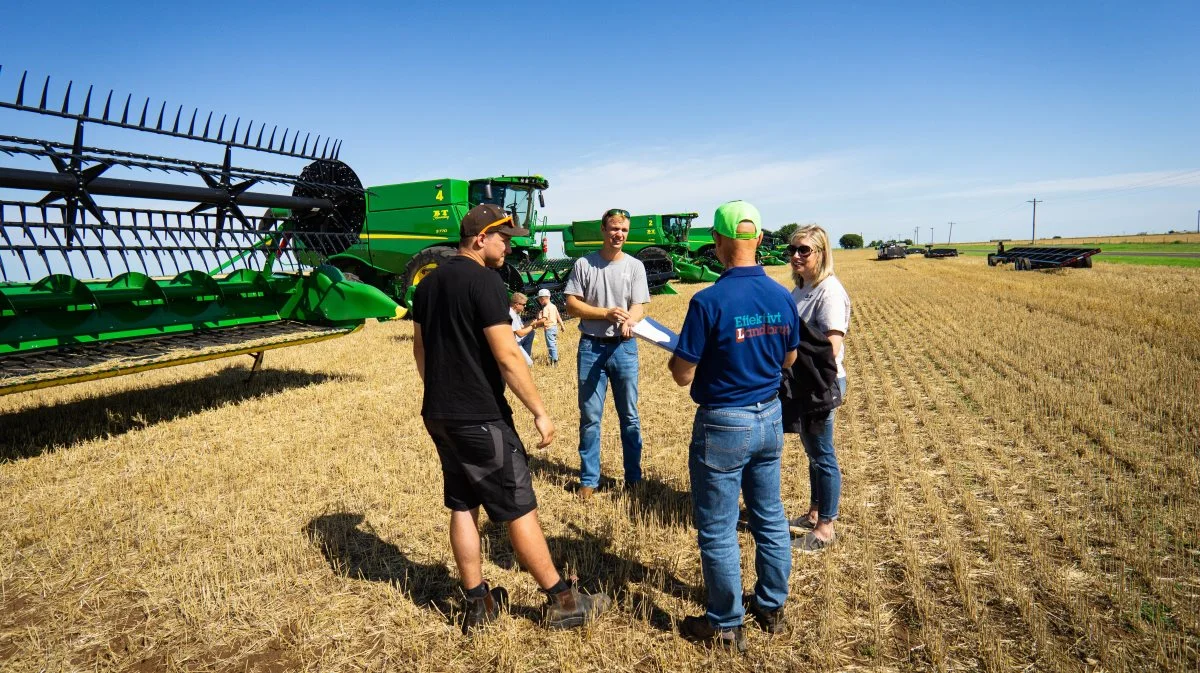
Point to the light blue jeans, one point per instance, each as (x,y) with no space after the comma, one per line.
(598,363)
(738,449)
(824,475)
(552,344)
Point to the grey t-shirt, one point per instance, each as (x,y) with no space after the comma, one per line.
(602,283)
(825,308)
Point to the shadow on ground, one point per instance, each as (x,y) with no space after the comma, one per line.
(586,556)
(651,499)
(353,550)
(37,430)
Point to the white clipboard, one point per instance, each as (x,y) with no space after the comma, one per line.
(656,333)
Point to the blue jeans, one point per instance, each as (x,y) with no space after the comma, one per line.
(527,342)
(598,362)
(552,343)
(739,449)
(824,475)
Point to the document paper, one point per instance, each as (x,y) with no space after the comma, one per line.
(653,331)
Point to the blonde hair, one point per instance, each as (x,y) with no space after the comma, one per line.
(518,298)
(820,244)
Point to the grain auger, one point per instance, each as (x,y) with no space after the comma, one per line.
(126,261)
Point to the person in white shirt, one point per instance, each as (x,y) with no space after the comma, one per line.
(523,333)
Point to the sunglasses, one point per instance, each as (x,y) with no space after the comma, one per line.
(802,250)
(493,225)
(615,211)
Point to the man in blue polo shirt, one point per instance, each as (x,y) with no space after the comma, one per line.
(738,337)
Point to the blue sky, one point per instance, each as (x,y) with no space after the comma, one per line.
(874,118)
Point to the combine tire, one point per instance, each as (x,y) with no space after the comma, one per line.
(659,267)
(421,264)
(991,260)
(1085,263)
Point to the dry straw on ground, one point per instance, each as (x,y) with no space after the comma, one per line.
(1021,493)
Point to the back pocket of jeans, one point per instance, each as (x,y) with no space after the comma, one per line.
(725,447)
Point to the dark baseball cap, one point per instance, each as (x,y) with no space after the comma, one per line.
(488,218)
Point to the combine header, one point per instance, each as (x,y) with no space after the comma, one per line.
(1032,257)
(91,288)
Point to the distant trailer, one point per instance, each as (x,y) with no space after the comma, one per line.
(938,253)
(891,252)
(1027,258)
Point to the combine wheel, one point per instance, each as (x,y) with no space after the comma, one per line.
(1085,263)
(991,260)
(421,264)
(653,254)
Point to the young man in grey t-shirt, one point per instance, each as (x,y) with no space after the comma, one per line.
(606,291)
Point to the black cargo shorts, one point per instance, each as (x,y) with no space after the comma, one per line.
(483,463)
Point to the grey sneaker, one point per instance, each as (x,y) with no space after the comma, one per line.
(480,611)
(571,609)
(811,543)
(700,630)
(800,524)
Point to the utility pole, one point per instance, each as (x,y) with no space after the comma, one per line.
(949,234)
(1034,202)
(931,234)
(916,235)
(1198,221)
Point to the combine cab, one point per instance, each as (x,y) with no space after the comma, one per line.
(114,262)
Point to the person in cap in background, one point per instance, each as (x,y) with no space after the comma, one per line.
(738,336)
(465,354)
(524,333)
(823,305)
(606,291)
(552,322)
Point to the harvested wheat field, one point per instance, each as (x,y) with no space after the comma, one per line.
(1022,492)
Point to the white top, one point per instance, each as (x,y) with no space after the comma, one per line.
(826,308)
(517,323)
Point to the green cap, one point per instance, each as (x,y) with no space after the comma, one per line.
(733,213)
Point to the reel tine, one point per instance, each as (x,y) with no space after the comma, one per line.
(162,110)
(67,97)
(45,90)
(87,103)
(125,113)
(175,126)
(21,90)
(107,103)
(221,130)
(145,109)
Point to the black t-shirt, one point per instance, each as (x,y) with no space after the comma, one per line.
(453,305)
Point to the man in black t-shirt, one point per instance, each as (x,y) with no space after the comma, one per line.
(465,352)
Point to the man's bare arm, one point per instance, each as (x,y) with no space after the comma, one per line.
(577,307)
(516,374)
(683,371)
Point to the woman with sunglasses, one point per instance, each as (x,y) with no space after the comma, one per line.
(824,306)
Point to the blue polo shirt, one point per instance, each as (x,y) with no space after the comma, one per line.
(738,332)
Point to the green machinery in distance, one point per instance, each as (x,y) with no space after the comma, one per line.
(668,245)
(659,241)
(410,228)
(91,287)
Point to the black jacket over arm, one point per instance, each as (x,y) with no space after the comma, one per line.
(809,389)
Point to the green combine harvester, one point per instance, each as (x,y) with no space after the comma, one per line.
(92,287)
(410,228)
(664,243)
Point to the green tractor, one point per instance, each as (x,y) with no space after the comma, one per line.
(412,227)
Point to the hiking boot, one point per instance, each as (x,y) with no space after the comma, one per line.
(480,611)
(700,630)
(570,609)
(771,621)
(586,492)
